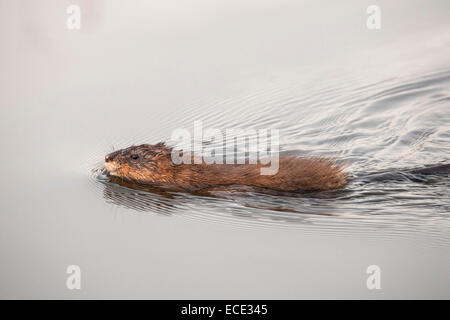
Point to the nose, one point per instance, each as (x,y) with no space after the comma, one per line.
(110,156)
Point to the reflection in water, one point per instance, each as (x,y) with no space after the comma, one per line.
(382,201)
(135,200)
(235,199)
(134,196)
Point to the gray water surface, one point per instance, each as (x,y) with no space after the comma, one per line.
(378,100)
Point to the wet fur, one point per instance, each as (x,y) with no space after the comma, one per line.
(154,165)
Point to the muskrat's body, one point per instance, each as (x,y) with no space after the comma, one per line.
(153,164)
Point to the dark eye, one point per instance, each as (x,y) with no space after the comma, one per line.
(134,156)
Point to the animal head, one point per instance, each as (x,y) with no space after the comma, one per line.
(145,163)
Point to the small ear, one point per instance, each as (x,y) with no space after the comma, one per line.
(160,145)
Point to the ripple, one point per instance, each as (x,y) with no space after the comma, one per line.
(382,125)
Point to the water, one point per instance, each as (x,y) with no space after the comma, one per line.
(377,100)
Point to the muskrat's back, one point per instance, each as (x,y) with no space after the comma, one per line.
(153,164)
(293,174)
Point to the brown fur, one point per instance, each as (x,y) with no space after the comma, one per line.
(154,165)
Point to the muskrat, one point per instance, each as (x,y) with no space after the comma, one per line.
(152,164)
